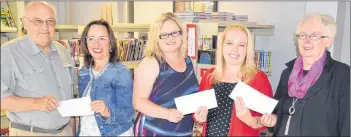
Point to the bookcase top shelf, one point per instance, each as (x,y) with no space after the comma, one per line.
(132,27)
(120,27)
(131,64)
(249,26)
(66,28)
(8,29)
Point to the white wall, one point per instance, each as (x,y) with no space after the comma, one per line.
(345,55)
(60,11)
(85,11)
(80,12)
(325,7)
(281,16)
(340,11)
(148,11)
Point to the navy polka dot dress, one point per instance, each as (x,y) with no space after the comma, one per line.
(218,119)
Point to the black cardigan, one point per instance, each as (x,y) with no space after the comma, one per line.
(324,111)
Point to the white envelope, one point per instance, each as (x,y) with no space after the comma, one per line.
(75,107)
(253,99)
(190,103)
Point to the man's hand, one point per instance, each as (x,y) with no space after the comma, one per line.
(46,103)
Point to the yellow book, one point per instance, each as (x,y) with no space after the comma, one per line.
(198,7)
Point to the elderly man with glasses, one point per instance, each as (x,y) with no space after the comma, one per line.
(314,89)
(37,73)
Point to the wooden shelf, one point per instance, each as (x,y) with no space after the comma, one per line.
(260,26)
(131,64)
(8,29)
(259,30)
(121,27)
(66,28)
(251,26)
(130,27)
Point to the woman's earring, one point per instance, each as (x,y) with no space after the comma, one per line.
(110,48)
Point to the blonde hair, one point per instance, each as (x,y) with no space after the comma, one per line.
(328,21)
(248,69)
(152,45)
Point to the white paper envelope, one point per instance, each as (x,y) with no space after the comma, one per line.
(190,103)
(75,107)
(253,99)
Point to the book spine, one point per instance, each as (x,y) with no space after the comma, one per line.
(266,61)
(269,62)
(261,59)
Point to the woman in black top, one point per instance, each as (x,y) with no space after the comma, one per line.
(314,91)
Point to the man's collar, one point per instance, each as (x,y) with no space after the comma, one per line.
(34,49)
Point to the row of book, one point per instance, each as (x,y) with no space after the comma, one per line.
(222,16)
(127,49)
(191,16)
(262,59)
(131,49)
(72,46)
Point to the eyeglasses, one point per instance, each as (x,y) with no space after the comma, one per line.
(166,35)
(39,22)
(312,36)
(92,39)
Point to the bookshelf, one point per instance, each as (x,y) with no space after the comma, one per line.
(205,28)
(16,8)
(210,27)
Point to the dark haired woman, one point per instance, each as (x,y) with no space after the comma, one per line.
(107,82)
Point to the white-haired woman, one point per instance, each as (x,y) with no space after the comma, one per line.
(314,89)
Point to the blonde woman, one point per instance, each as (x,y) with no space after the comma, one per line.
(165,73)
(234,62)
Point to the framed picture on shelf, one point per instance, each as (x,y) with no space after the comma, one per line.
(195,6)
